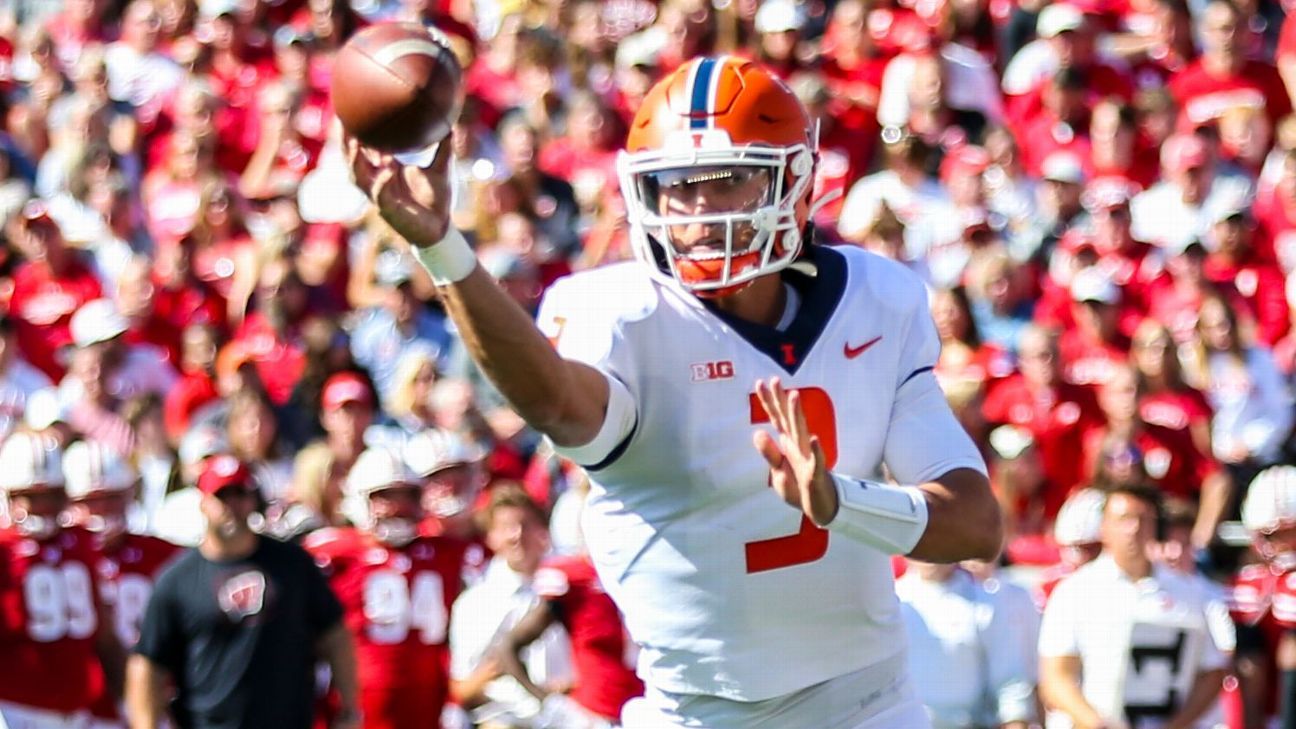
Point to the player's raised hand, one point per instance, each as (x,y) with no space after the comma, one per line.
(798,466)
(414,200)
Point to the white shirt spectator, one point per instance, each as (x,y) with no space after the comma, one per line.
(17,382)
(969,85)
(1252,404)
(1160,215)
(482,614)
(968,651)
(1140,643)
(139,79)
(917,207)
(144,369)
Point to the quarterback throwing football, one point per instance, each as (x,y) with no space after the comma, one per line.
(731,330)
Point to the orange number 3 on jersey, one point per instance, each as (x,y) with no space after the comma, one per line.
(811,542)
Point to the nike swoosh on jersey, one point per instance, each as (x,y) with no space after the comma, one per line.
(853,352)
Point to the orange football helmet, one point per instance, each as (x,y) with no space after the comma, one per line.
(720,118)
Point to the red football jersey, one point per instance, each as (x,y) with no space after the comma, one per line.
(396,603)
(126,577)
(600,646)
(48,620)
(1262,597)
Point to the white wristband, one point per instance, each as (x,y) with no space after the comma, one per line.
(889,518)
(449,261)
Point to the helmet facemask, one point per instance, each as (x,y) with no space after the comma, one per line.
(750,199)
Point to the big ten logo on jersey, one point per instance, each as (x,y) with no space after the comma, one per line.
(396,602)
(708,371)
(59,602)
(1161,666)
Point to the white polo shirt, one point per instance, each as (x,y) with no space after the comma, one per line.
(1141,643)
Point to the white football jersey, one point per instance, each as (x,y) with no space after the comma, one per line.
(729,591)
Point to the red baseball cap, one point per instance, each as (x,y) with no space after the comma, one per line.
(343,388)
(222,472)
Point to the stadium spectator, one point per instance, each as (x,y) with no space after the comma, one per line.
(18,379)
(1177,211)
(1252,403)
(1165,398)
(237,624)
(320,469)
(1057,413)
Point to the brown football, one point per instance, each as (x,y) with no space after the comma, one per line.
(396,86)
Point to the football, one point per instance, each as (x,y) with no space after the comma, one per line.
(397,86)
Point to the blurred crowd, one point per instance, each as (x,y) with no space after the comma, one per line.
(1101,195)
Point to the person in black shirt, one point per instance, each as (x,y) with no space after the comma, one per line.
(238,624)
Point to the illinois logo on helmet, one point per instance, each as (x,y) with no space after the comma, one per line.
(729,121)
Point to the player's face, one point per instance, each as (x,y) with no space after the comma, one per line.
(699,191)
(451,491)
(103,511)
(401,502)
(1279,542)
(519,537)
(45,503)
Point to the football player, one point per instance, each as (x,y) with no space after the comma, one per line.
(731,330)
(396,589)
(60,651)
(1264,601)
(100,488)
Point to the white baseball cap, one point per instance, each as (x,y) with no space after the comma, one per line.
(1063,167)
(377,469)
(97,321)
(1058,18)
(776,16)
(91,468)
(435,450)
(28,460)
(1090,284)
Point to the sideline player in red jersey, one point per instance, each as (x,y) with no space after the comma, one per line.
(396,588)
(99,490)
(56,635)
(570,593)
(1263,601)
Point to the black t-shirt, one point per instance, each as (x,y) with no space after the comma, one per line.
(239,637)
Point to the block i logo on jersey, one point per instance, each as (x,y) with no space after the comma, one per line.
(707,371)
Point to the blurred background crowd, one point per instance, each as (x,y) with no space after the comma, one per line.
(1101,195)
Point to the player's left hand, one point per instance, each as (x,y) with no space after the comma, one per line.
(798,467)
